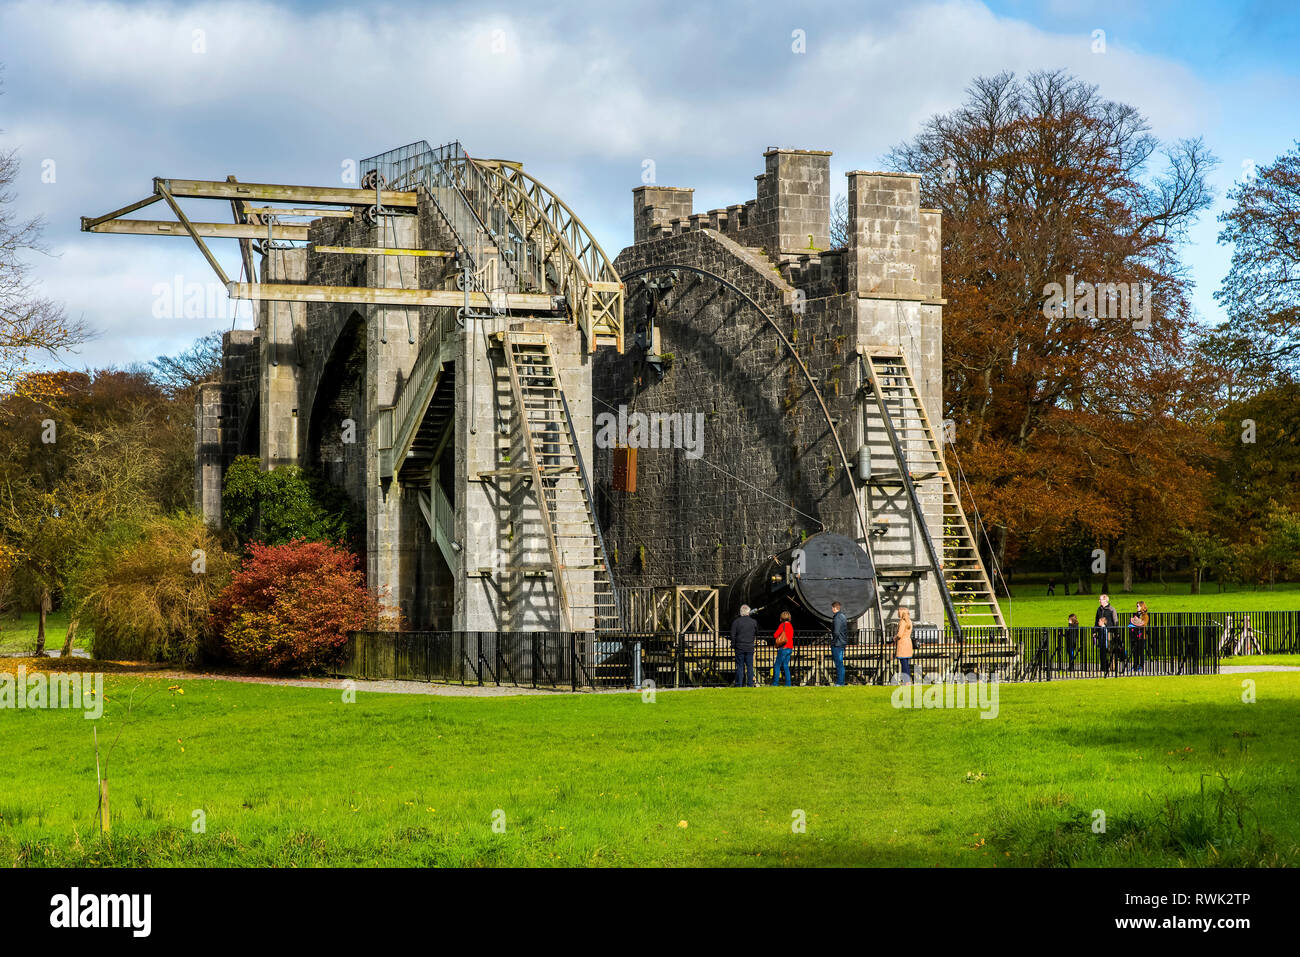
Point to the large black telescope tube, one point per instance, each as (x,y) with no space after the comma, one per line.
(804,580)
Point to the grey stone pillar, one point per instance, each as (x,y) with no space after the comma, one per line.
(794,200)
(207,452)
(282,326)
(894,268)
(390,355)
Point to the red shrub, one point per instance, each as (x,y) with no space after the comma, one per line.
(290,607)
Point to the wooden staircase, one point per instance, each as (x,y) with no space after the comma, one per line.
(580,569)
(952,550)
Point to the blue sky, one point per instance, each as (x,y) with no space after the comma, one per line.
(108,95)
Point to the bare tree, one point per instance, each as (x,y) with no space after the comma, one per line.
(840,222)
(29,323)
(179,374)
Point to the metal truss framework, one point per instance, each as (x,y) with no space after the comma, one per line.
(569,263)
(575,263)
(261,224)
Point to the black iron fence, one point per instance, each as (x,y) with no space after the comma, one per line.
(573,660)
(1242,632)
(537,659)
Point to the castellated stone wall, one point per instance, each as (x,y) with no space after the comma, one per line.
(770,470)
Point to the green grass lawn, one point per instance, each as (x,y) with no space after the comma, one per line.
(1030,605)
(18,633)
(1185,772)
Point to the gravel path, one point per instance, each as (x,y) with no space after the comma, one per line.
(462,691)
(383,687)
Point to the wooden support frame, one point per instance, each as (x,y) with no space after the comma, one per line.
(366,295)
(278,193)
(189,227)
(318,213)
(162,227)
(238,210)
(88,222)
(381,251)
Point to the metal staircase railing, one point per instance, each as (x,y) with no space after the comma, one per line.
(580,568)
(440,516)
(400,423)
(477,220)
(494,207)
(955,561)
(573,263)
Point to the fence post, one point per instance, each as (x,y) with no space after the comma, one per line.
(573,660)
(679,655)
(479,637)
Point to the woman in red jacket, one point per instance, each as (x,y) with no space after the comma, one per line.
(784,641)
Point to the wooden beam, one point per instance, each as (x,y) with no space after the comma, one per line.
(381,251)
(151,227)
(276,193)
(319,213)
(237,207)
(89,222)
(374,296)
(189,228)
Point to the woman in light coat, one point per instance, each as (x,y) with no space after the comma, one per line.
(903,642)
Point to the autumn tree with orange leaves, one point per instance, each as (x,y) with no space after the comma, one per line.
(1081,427)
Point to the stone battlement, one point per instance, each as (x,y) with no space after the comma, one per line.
(893,249)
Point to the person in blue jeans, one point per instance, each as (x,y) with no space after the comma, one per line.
(743,630)
(784,641)
(839,640)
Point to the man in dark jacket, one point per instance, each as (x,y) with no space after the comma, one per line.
(743,631)
(839,640)
(1106,631)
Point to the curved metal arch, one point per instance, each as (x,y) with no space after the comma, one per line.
(581,269)
(789,347)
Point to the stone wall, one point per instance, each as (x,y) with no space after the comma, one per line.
(791,213)
(771,471)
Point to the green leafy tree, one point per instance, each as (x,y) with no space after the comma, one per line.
(278,506)
(1261,292)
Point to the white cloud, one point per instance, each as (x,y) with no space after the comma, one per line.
(115,93)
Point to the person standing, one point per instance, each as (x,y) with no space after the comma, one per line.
(839,641)
(784,641)
(1141,617)
(1072,638)
(743,631)
(903,643)
(1051,586)
(1107,625)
